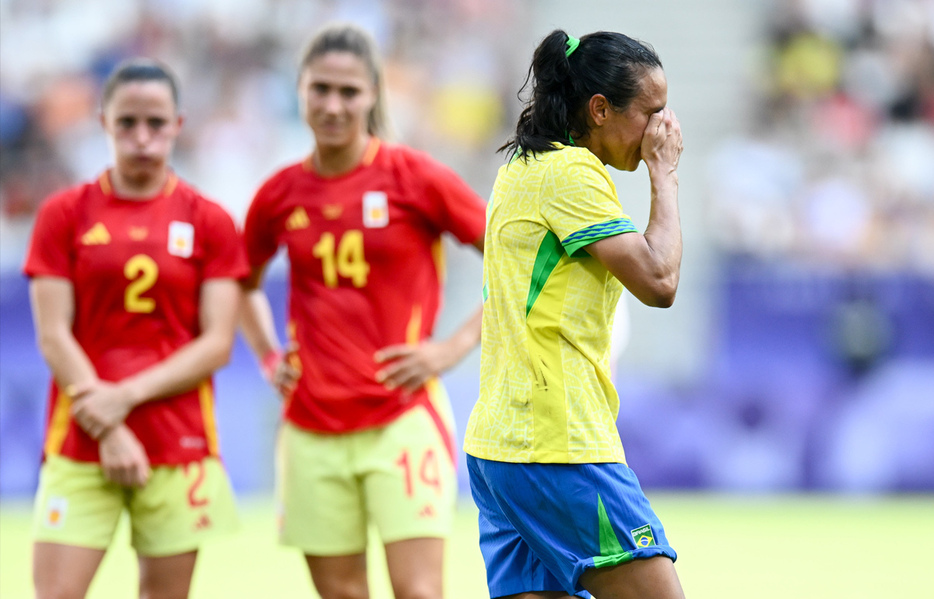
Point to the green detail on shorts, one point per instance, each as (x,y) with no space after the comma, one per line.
(549,254)
(486,292)
(611,552)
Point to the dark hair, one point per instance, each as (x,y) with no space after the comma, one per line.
(605,63)
(346,37)
(138,69)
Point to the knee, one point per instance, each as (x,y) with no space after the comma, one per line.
(155,590)
(418,591)
(343,590)
(161,594)
(58,592)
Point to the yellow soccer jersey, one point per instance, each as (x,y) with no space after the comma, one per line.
(545,389)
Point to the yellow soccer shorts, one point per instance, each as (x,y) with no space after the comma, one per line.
(399,477)
(175,512)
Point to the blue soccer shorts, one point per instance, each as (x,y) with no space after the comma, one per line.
(543,525)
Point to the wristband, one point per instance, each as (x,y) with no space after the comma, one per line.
(270,363)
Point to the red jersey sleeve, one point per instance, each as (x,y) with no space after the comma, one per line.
(261,239)
(453,206)
(226,256)
(50,245)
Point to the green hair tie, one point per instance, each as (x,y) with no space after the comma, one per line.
(573,43)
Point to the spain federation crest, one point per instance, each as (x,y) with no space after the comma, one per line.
(375,209)
(181,239)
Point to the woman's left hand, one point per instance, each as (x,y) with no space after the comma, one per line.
(98,406)
(410,366)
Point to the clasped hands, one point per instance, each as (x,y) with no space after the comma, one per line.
(100,408)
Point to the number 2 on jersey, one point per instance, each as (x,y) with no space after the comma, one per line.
(348,261)
(142,272)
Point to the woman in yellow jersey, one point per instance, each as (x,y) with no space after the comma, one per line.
(560,512)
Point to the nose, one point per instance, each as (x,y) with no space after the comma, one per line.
(332,102)
(142,134)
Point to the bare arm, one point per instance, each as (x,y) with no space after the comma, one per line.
(256,322)
(53,309)
(281,369)
(101,406)
(123,458)
(649,264)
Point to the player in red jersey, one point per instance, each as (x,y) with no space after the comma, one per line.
(368,434)
(134,285)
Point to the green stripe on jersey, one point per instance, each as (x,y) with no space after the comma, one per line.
(575,241)
(548,256)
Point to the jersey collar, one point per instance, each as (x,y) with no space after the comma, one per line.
(107,187)
(369,155)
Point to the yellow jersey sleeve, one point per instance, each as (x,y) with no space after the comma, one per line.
(579,202)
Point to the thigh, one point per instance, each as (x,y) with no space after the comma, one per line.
(577,517)
(76,505)
(340,576)
(416,567)
(408,475)
(166,577)
(320,498)
(512,568)
(652,578)
(181,507)
(63,571)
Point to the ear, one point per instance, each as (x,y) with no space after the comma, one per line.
(598,108)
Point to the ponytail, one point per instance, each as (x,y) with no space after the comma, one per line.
(565,73)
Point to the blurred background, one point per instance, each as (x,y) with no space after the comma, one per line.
(800,352)
(786,399)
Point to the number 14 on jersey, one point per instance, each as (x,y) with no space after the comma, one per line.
(344,258)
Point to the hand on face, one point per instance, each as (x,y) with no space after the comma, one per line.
(662,143)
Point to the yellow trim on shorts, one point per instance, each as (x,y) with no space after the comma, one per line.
(58,425)
(206,396)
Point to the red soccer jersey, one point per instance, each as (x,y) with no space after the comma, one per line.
(137,269)
(366,270)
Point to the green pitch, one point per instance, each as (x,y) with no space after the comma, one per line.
(762,547)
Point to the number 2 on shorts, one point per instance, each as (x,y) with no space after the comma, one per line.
(193,500)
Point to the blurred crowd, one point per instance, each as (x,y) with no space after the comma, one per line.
(452,69)
(836,166)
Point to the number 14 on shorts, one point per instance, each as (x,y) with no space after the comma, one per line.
(423,470)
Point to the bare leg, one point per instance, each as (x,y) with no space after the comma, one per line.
(63,571)
(339,577)
(416,568)
(652,578)
(540,595)
(166,577)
